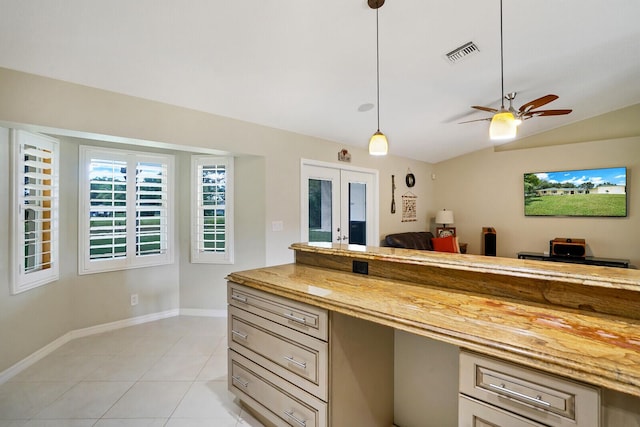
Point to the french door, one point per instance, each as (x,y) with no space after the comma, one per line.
(339,204)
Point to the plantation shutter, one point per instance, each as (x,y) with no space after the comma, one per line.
(108,209)
(35,230)
(125,209)
(151,209)
(212,210)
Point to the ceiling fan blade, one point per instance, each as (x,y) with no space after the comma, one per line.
(549,112)
(537,103)
(478,107)
(487,119)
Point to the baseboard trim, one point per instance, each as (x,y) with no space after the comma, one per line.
(202,312)
(119,324)
(34,357)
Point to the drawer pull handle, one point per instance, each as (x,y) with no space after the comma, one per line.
(303,365)
(239,334)
(289,414)
(238,298)
(503,389)
(238,380)
(296,318)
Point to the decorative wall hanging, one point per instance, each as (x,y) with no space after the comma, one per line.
(344,155)
(410,180)
(409,207)
(393,194)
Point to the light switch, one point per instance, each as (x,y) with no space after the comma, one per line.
(277,225)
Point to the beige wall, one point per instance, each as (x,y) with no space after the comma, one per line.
(485,188)
(267,189)
(30,320)
(202,286)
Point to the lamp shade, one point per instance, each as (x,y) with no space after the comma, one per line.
(444,217)
(503,126)
(378,144)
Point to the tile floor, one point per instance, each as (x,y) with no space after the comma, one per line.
(170,372)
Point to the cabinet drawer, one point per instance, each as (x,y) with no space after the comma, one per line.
(472,413)
(297,357)
(543,397)
(280,402)
(299,316)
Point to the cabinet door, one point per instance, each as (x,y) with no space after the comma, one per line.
(272,397)
(472,413)
(549,399)
(294,356)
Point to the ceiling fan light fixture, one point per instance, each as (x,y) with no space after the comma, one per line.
(378,144)
(503,126)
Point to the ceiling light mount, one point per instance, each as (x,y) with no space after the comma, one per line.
(378,144)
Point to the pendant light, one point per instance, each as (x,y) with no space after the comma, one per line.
(378,144)
(503,123)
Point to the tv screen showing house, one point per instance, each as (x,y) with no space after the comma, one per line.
(585,192)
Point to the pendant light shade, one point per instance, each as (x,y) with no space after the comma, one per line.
(378,144)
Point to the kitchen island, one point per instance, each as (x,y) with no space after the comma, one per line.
(573,321)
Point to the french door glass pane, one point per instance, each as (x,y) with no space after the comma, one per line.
(357,213)
(320,209)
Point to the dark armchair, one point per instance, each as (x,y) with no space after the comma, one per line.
(410,240)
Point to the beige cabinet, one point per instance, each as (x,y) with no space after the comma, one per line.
(510,395)
(474,413)
(295,364)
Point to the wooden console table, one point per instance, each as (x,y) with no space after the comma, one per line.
(589,260)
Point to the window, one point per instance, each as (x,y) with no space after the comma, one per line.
(126,209)
(212,210)
(35,210)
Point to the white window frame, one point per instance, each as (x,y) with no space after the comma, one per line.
(198,252)
(86,265)
(44,185)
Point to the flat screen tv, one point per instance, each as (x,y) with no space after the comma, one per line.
(585,192)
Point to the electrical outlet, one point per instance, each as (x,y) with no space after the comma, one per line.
(134,299)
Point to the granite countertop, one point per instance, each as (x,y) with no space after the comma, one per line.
(598,348)
(588,275)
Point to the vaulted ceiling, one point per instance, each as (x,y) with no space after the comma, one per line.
(310,67)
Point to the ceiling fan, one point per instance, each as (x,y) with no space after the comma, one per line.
(504,122)
(526,111)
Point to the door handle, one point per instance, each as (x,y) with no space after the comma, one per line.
(503,389)
(297,420)
(239,334)
(237,379)
(290,359)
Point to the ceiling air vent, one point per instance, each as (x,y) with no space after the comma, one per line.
(462,51)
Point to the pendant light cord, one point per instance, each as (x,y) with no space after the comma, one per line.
(501,61)
(378,69)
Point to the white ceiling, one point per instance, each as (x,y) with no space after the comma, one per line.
(307,66)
